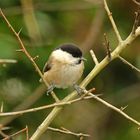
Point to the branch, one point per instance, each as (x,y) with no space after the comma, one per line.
(2,114)
(37,93)
(136,22)
(106,44)
(94,57)
(135,1)
(128,63)
(120,111)
(3,61)
(23,49)
(121,46)
(112,22)
(23,130)
(66,131)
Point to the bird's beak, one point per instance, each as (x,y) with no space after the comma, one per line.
(83,59)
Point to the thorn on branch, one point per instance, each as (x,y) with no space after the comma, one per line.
(19,31)
(20,50)
(136,22)
(92,90)
(37,56)
(106,44)
(123,108)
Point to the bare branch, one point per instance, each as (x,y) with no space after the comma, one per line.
(3,134)
(4,61)
(9,137)
(128,63)
(135,1)
(112,22)
(66,131)
(136,22)
(123,108)
(27,133)
(27,53)
(94,57)
(120,111)
(106,44)
(1,108)
(45,106)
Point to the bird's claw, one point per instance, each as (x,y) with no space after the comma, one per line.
(79,89)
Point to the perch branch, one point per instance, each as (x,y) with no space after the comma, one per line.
(121,46)
(47,106)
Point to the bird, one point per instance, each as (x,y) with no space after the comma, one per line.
(64,67)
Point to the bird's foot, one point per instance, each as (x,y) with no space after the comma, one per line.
(79,89)
(50,89)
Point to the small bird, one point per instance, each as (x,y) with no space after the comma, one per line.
(64,67)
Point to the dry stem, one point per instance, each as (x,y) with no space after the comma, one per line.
(23,49)
(129,64)
(4,61)
(121,46)
(23,130)
(44,107)
(66,131)
(112,22)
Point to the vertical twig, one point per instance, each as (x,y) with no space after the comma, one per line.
(136,22)
(107,46)
(94,57)
(112,22)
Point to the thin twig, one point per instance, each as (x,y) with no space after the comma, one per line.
(45,107)
(27,53)
(112,22)
(1,108)
(136,22)
(66,131)
(4,61)
(3,134)
(135,1)
(106,44)
(94,57)
(123,108)
(9,137)
(128,63)
(27,133)
(115,109)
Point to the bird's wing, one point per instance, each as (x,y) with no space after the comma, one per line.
(48,65)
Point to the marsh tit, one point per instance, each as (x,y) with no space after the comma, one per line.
(64,67)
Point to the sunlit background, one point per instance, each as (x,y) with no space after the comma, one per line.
(45,25)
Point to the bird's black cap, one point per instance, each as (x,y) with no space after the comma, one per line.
(72,49)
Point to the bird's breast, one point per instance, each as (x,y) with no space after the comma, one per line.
(64,75)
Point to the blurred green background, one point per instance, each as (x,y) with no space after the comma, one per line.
(45,25)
